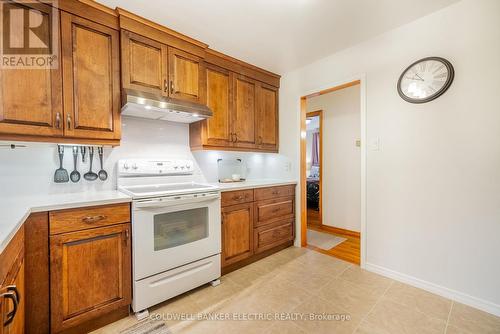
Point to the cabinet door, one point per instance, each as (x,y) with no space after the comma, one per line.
(90,274)
(237,233)
(186,76)
(91,79)
(144,64)
(244,111)
(267,122)
(31,99)
(219,91)
(15,279)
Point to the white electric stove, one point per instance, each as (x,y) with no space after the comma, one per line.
(176,229)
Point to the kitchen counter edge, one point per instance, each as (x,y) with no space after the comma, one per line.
(18,213)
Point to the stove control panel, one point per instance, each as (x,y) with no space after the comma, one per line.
(137,167)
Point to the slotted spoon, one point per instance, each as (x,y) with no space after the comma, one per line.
(61,174)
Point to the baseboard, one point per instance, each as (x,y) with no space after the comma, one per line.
(339,230)
(457,296)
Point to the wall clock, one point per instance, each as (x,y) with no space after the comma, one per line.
(425,80)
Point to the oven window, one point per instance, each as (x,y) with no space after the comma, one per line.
(179,228)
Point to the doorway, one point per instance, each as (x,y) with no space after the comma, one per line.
(331,169)
(314,156)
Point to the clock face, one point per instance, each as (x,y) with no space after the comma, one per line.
(425,80)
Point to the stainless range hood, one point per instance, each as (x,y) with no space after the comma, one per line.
(142,105)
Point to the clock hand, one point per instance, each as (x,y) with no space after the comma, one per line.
(419,77)
(415,79)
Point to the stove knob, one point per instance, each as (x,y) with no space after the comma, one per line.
(125,166)
(188,167)
(134,167)
(176,167)
(182,167)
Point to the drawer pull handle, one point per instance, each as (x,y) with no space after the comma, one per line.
(276,192)
(12,314)
(276,210)
(238,198)
(93,219)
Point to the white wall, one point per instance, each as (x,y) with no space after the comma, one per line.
(31,169)
(341,179)
(433,188)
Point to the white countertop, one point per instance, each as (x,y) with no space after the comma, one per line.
(15,210)
(250,184)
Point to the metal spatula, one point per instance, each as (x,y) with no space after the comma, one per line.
(61,174)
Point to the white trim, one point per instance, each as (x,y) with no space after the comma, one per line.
(362,78)
(458,296)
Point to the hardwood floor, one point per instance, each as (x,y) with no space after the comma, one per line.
(349,250)
(313,217)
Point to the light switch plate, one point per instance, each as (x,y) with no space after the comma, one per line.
(375,144)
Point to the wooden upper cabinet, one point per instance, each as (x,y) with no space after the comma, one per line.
(91,82)
(144,64)
(186,75)
(245,106)
(31,99)
(237,233)
(90,274)
(219,100)
(267,120)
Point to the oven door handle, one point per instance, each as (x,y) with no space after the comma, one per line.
(175,200)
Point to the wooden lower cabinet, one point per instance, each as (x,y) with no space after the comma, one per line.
(237,233)
(12,297)
(252,230)
(90,274)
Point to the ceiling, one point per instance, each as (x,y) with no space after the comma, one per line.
(281,35)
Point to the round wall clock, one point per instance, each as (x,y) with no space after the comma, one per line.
(425,80)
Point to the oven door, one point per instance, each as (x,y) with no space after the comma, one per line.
(173,231)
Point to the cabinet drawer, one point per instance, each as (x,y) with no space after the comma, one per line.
(269,236)
(275,209)
(70,220)
(273,192)
(237,197)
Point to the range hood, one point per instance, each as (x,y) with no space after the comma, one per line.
(142,105)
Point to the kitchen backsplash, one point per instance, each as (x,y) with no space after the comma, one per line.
(31,169)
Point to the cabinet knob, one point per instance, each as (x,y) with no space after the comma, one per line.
(58,120)
(165,85)
(127,237)
(172,89)
(12,314)
(68,120)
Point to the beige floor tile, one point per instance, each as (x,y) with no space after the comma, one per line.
(367,328)
(351,297)
(366,279)
(284,327)
(249,275)
(423,301)
(117,326)
(455,330)
(390,317)
(317,306)
(210,298)
(471,320)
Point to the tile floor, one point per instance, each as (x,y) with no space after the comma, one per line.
(301,281)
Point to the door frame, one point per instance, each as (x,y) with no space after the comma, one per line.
(321,90)
(318,113)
